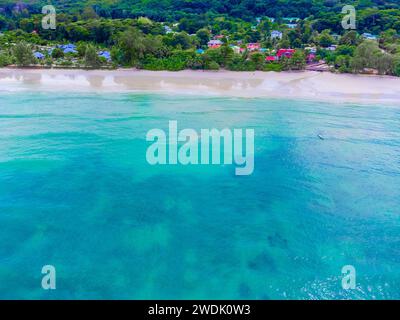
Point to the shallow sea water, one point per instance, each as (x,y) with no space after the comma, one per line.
(76,192)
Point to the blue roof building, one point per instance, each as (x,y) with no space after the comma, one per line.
(38,55)
(106,55)
(68,48)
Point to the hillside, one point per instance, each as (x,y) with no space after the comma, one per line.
(175,9)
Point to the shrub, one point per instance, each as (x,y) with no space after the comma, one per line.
(5,60)
(57,53)
(92,60)
(212,65)
(273,67)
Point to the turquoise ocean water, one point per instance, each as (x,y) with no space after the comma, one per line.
(76,192)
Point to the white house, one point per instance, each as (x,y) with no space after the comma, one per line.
(276,34)
(369,36)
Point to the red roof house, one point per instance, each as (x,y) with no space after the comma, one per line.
(288,53)
(270,58)
(253,46)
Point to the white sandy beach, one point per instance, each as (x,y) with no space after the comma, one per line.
(292,85)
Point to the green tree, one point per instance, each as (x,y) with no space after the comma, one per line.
(57,53)
(342,62)
(204,36)
(296,62)
(92,60)
(258,59)
(5,59)
(89,13)
(396,69)
(23,54)
(385,63)
(350,38)
(365,56)
(131,46)
(181,39)
(325,39)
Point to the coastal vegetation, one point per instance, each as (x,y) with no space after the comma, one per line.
(171,35)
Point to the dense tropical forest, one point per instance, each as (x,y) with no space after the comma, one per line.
(239,35)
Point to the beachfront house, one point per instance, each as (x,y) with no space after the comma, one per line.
(275,34)
(214,44)
(288,53)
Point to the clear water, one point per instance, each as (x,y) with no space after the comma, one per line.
(76,192)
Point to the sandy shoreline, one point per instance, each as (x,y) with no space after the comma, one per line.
(291,85)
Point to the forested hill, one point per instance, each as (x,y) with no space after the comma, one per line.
(176,9)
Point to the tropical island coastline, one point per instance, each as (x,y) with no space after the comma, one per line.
(283,36)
